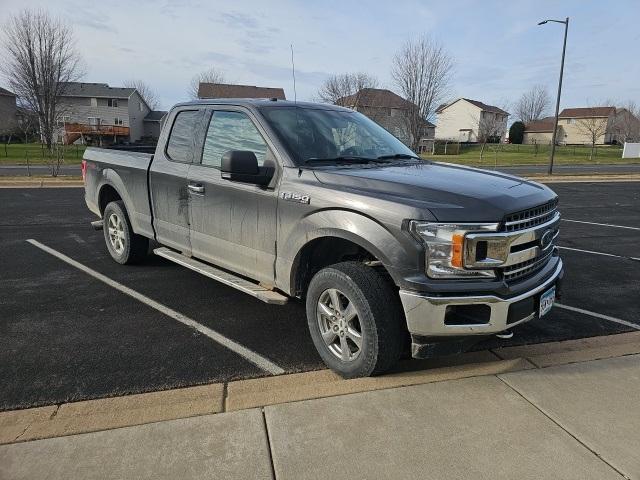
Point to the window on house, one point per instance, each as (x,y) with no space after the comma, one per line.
(94,120)
(180,146)
(118,121)
(140,106)
(569,121)
(112,102)
(231,131)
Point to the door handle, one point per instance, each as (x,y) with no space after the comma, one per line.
(193,188)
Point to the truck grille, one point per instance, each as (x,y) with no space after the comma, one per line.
(521,271)
(531,217)
(522,220)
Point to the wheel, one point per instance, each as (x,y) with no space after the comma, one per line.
(355,319)
(124,246)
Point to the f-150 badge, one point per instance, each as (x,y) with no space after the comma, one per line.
(295,197)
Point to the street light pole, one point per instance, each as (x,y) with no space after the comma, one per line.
(555,122)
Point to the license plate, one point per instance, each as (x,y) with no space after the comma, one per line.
(546,301)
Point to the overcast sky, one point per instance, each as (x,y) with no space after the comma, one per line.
(498,49)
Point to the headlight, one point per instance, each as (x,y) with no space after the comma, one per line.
(444,244)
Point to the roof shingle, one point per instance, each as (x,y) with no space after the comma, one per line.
(375,97)
(102,90)
(4,91)
(155,116)
(587,112)
(224,90)
(482,106)
(540,126)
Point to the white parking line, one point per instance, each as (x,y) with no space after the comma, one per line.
(598,253)
(601,224)
(251,356)
(598,315)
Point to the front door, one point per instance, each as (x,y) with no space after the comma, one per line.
(168,180)
(233,224)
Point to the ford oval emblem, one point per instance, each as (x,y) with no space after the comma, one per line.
(546,238)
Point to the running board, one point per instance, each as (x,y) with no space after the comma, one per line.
(253,289)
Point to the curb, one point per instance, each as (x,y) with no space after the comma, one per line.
(40,182)
(116,412)
(590,178)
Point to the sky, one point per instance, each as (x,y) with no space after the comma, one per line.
(498,49)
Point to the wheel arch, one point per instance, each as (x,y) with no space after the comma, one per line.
(111,189)
(328,248)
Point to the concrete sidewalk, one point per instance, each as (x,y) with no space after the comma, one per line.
(570,421)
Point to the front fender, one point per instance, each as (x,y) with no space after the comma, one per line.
(395,250)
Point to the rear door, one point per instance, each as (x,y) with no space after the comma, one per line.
(168,179)
(233,224)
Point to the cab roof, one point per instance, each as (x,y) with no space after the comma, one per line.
(260,103)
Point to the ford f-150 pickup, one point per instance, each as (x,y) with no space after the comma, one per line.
(389,252)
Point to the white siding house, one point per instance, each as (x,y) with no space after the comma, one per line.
(465,120)
(98,112)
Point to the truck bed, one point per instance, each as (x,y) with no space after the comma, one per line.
(126,172)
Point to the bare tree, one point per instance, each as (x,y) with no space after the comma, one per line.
(423,71)
(41,58)
(148,94)
(592,127)
(626,124)
(27,122)
(534,104)
(491,128)
(212,75)
(336,88)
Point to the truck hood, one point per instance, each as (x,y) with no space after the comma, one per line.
(451,193)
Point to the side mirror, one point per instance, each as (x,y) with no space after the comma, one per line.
(242,166)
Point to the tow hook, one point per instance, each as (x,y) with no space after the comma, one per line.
(97,225)
(505,335)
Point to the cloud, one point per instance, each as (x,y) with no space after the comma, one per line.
(81,16)
(236,19)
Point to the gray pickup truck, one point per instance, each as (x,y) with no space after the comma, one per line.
(282,200)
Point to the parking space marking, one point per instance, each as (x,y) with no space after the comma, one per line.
(249,355)
(601,224)
(598,253)
(597,315)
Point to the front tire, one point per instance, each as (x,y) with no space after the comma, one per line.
(124,246)
(355,319)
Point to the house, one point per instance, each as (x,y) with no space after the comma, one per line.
(225,90)
(98,113)
(392,112)
(470,121)
(541,132)
(8,110)
(153,123)
(583,125)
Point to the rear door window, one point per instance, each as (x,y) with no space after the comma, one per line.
(231,131)
(181,145)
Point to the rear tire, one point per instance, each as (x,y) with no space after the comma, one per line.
(124,246)
(355,319)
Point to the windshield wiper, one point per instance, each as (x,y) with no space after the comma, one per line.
(344,159)
(398,155)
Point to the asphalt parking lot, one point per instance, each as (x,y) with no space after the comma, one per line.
(65,335)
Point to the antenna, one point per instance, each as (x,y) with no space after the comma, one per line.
(293,71)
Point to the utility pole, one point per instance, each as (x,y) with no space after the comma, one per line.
(555,122)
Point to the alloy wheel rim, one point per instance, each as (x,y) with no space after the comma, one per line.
(339,324)
(116,233)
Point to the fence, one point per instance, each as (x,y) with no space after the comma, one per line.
(512,154)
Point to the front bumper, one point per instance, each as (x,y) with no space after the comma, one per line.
(431,316)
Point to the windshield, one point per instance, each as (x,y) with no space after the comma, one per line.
(314,134)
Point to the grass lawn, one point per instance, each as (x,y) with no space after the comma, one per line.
(507,155)
(36,154)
